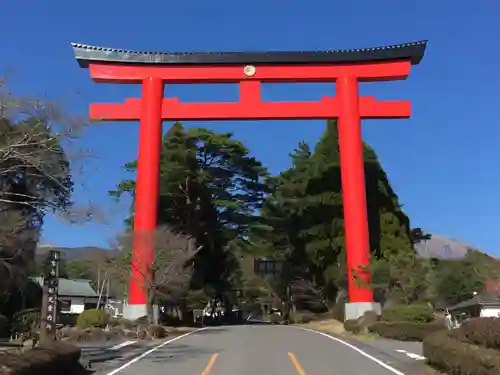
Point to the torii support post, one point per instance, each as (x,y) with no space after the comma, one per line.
(346,68)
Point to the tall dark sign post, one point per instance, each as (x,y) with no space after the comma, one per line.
(50,294)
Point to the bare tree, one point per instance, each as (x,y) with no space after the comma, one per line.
(39,157)
(167,279)
(36,147)
(305,291)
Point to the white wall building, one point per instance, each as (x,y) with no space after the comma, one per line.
(75,296)
(481,305)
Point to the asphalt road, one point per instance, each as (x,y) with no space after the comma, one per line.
(250,350)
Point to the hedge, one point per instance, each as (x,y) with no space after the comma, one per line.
(454,357)
(405,331)
(304,317)
(49,359)
(416,313)
(363,324)
(352,326)
(483,332)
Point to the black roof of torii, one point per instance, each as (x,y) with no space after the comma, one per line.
(414,52)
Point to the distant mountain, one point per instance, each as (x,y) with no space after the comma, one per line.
(75,253)
(443,248)
(437,247)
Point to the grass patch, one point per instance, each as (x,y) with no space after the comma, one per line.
(336,328)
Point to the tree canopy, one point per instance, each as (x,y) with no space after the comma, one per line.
(210,190)
(218,198)
(304,217)
(38,152)
(213,191)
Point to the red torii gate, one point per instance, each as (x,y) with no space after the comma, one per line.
(344,67)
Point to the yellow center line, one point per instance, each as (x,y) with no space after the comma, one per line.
(296,364)
(210,363)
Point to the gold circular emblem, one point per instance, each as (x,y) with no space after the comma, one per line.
(249,70)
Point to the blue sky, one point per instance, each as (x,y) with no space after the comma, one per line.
(443,162)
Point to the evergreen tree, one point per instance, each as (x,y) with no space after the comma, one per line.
(210,189)
(306,215)
(455,281)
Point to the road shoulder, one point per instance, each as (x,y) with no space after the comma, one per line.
(392,360)
(128,355)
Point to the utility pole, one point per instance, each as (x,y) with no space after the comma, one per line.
(101,289)
(98,277)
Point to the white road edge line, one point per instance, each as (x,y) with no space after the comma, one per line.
(138,358)
(364,354)
(122,345)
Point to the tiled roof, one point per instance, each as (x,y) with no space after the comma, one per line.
(484,299)
(73,288)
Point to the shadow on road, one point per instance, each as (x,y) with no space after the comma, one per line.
(179,353)
(91,357)
(219,328)
(212,330)
(246,323)
(253,323)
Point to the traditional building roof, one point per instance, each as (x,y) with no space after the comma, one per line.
(483,299)
(73,288)
(413,51)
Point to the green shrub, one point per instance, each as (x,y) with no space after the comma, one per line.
(25,321)
(92,318)
(480,331)
(457,358)
(416,313)
(405,331)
